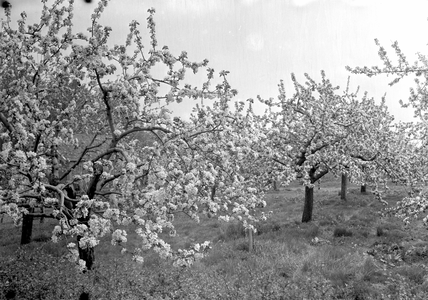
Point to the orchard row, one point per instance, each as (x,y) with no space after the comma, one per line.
(87,138)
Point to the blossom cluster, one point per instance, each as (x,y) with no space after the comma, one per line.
(411,208)
(185,258)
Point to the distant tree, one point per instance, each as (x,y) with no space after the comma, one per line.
(318,131)
(74,102)
(409,153)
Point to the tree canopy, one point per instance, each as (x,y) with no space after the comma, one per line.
(86,132)
(73,110)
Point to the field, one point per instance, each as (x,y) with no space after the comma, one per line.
(349,251)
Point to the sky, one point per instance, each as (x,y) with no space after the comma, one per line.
(263,41)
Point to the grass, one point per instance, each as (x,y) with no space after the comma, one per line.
(348,251)
(340,231)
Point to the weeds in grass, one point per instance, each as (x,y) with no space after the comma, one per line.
(42,238)
(327,221)
(284,264)
(267,227)
(340,232)
(312,232)
(414,273)
(380,231)
(231,231)
(33,275)
(363,291)
(415,253)
(363,233)
(402,288)
(386,228)
(369,271)
(302,231)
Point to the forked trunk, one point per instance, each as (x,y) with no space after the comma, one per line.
(309,204)
(343,187)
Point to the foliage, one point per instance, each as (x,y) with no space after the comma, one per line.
(400,69)
(317,130)
(71,101)
(412,157)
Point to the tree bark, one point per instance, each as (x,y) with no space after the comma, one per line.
(363,189)
(27,228)
(275,185)
(42,219)
(55,166)
(250,240)
(88,255)
(309,204)
(343,187)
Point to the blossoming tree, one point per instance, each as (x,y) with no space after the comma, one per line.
(411,164)
(63,86)
(318,131)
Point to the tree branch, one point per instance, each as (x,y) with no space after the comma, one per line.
(137,129)
(105,181)
(107,104)
(110,151)
(363,158)
(37,141)
(82,155)
(5,122)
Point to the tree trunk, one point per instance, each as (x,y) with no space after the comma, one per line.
(250,240)
(363,189)
(88,255)
(343,187)
(54,180)
(27,228)
(42,219)
(309,204)
(275,185)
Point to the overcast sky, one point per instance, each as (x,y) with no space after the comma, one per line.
(263,41)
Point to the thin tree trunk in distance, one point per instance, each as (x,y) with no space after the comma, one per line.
(343,187)
(363,189)
(275,185)
(42,219)
(309,204)
(250,240)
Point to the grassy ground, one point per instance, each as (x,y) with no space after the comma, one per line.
(348,251)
